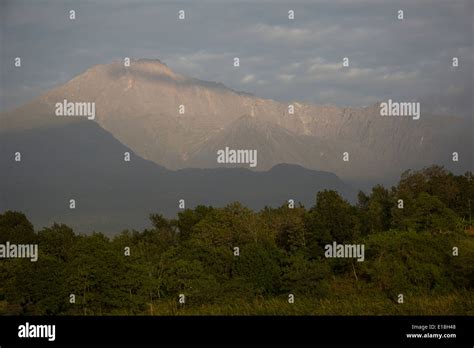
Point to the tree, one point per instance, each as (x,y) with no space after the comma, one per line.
(95,275)
(38,287)
(425,213)
(332,219)
(15,228)
(259,265)
(307,277)
(188,218)
(379,209)
(288,223)
(57,241)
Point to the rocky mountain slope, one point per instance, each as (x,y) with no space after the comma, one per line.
(140,106)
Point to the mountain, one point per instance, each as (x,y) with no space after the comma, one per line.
(81,161)
(139,105)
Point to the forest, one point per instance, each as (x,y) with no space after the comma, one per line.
(417,236)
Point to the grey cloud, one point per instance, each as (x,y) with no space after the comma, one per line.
(280,59)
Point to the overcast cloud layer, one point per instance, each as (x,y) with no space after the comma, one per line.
(280,59)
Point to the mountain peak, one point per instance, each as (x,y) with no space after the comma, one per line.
(144,68)
(150,61)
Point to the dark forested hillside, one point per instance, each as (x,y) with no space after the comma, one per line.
(112,194)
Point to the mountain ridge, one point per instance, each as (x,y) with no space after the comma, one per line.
(140,105)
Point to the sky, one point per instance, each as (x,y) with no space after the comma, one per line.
(281,59)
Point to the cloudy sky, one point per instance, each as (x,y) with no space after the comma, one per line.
(282,59)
